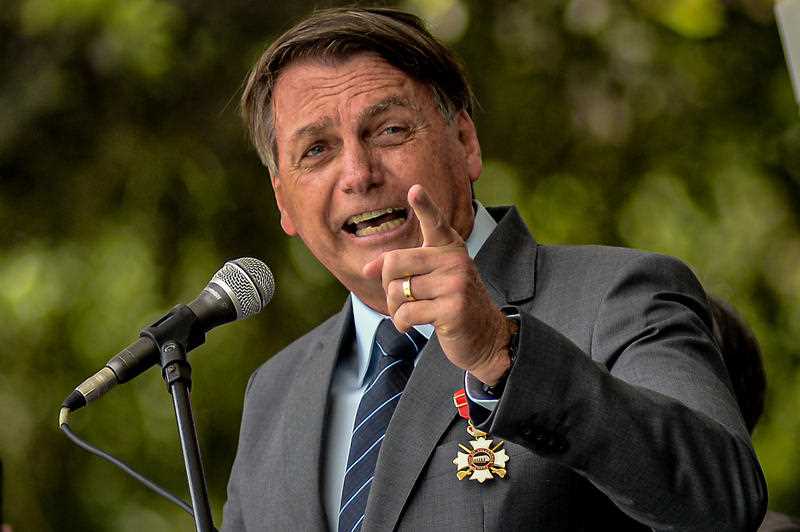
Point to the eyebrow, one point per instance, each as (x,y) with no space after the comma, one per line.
(316,128)
(313,129)
(384,105)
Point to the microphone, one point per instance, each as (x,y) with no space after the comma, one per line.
(241,288)
(787,12)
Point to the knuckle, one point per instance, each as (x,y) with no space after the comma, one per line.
(392,303)
(392,286)
(461,258)
(456,257)
(459,305)
(400,318)
(390,261)
(460,284)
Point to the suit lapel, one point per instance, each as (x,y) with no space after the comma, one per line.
(305,429)
(506,263)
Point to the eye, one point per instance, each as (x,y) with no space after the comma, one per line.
(314,151)
(392,130)
(391,135)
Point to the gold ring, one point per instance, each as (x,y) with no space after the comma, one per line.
(407,293)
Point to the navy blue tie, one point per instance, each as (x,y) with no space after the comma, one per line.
(396,352)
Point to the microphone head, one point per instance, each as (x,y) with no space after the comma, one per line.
(248,282)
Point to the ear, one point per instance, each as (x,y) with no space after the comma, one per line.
(286,219)
(468,137)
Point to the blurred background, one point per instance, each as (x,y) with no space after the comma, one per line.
(126,181)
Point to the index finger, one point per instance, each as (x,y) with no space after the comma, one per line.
(435,229)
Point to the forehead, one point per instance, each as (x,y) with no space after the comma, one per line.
(316,89)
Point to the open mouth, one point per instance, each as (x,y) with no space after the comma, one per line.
(373,222)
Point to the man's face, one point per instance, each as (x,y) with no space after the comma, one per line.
(353,136)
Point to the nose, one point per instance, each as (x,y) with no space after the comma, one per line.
(360,172)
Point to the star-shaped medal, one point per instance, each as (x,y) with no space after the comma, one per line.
(482,461)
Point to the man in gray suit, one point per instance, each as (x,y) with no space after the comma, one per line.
(596,366)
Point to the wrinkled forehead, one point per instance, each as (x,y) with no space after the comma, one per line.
(320,73)
(315,90)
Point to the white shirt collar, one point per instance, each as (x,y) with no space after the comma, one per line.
(367,320)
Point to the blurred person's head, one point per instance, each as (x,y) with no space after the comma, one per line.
(742,357)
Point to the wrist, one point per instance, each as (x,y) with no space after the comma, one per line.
(498,364)
(494,370)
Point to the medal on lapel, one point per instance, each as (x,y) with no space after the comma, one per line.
(483,461)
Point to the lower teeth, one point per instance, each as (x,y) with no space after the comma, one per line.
(385,226)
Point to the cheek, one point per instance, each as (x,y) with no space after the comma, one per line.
(397,160)
(417,162)
(310,211)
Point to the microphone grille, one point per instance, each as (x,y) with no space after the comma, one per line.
(250,283)
(261,276)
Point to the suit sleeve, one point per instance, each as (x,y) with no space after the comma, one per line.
(647,416)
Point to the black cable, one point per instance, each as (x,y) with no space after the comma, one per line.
(126,468)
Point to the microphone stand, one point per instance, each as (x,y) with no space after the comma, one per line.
(173,335)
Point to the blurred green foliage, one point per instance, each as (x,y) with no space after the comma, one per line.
(126,181)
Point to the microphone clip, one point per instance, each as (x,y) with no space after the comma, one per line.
(175,334)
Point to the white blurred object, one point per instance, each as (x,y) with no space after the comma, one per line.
(787,12)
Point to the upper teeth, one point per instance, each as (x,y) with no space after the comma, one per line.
(369,215)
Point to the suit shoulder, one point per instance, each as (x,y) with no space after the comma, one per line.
(605,260)
(591,253)
(575,272)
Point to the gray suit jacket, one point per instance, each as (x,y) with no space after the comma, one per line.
(617,412)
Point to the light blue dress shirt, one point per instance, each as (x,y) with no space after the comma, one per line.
(355,370)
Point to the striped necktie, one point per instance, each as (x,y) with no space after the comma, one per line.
(396,352)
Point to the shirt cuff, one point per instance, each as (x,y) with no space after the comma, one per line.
(475,393)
